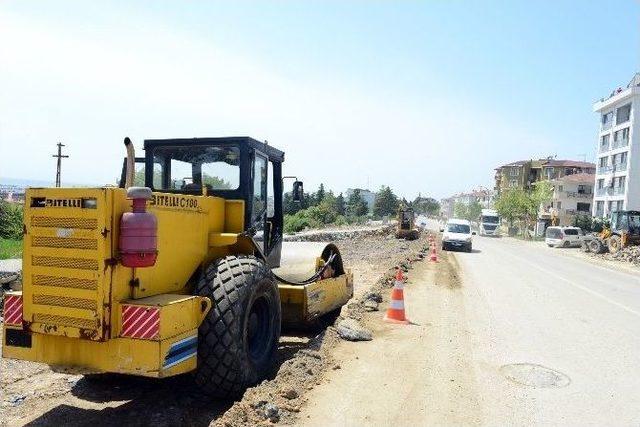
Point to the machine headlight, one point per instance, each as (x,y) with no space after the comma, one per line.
(91,203)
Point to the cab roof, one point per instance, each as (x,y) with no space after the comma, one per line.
(271,152)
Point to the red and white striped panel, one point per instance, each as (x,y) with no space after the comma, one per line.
(13,309)
(140,322)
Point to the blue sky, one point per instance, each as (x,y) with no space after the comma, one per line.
(424,96)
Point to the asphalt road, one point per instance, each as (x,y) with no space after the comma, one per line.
(529,308)
(533,336)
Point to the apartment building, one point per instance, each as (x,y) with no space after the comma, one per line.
(618,172)
(572,195)
(523,173)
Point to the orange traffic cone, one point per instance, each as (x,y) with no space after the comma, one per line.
(395,312)
(434,255)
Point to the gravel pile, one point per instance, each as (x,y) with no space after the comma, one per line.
(629,254)
(336,235)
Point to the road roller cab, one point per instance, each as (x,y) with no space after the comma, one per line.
(177,270)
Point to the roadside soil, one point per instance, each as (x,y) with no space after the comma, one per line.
(34,394)
(416,374)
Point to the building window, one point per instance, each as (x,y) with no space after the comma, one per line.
(584,189)
(513,172)
(604,141)
(619,204)
(513,183)
(607,118)
(583,207)
(548,172)
(623,113)
(623,158)
(560,187)
(600,207)
(559,205)
(609,205)
(603,161)
(621,182)
(600,183)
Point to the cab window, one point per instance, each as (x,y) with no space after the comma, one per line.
(191,167)
(259,187)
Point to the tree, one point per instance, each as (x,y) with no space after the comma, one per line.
(426,205)
(386,203)
(319,196)
(356,206)
(10,221)
(513,204)
(460,210)
(289,207)
(339,204)
(474,210)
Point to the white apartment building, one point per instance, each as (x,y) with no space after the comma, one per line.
(617,185)
(572,195)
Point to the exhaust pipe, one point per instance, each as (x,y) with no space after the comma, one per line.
(131,163)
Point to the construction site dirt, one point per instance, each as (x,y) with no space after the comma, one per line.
(36,394)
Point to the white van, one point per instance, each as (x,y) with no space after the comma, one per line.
(565,237)
(457,234)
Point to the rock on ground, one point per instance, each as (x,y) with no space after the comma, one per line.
(352,330)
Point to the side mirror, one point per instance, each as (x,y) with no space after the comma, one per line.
(473,233)
(298,191)
(442,230)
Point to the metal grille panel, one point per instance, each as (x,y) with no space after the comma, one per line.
(63,242)
(78,263)
(51,319)
(52,222)
(64,282)
(85,304)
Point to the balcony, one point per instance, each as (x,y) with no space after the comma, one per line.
(610,191)
(620,143)
(578,195)
(601,191)
(616,191)
(599,213)
(606,125)
(603,147)
(619,167)
(604,169)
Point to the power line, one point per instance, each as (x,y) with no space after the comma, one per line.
(59,156)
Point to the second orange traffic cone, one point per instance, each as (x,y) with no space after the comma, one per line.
(395,312)
(434,255)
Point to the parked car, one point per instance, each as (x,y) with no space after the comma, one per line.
(564,237)
(457,234)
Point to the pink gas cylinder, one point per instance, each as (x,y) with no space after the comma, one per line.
(138,242)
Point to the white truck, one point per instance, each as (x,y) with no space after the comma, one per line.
(489,222)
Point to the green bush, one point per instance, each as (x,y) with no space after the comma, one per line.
(298,222)
(10,221)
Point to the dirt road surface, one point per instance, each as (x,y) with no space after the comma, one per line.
(33,394)
(533,336)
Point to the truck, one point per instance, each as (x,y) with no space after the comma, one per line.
(178,270)
(489,222)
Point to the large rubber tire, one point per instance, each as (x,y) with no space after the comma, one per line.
(596,246)
(238,338)
(614,243)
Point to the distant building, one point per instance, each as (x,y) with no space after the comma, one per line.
(446,207)
(12,193)
(618,174)
(482,195)
(524,173)
(572,195)
(368,196)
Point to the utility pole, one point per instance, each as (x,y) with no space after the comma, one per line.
(59,164)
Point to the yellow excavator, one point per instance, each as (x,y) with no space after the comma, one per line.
(406,228)
(181,274)
(622,229)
